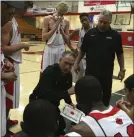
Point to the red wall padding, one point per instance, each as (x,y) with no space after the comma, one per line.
(75,38)
(125,38)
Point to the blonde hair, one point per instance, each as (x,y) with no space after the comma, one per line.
(62,5)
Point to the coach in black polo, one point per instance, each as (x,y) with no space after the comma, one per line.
(100,45)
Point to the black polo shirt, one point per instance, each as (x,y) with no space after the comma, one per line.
(100,49)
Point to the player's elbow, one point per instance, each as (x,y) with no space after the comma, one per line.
(45,37)
(6,51)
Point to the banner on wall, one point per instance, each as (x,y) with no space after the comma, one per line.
(99,2)
(42,11)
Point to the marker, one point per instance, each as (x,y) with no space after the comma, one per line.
(122,99)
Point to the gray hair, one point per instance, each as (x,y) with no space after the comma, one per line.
(108,14)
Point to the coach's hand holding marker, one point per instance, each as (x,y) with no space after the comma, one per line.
(73,106)
(71,91)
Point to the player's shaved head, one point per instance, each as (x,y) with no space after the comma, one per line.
(88,92)
(40,118)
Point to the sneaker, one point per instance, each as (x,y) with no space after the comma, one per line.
(11,123)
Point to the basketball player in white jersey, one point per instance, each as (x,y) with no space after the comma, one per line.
(84,19)
(7,69)
(55,30)
(99,120)
(128,107)
(7,75)
(11,46)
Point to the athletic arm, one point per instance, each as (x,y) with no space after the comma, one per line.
(65,31)
(8,77)
(83,49)
(46,34)
(73,34)
(65,34)
(119,51)
(121,74)
(80,57)
(120,56)
(130,112)
(83,129)
(5,39)
(8,66)
(127,107)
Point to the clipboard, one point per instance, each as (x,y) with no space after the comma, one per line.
(72,114)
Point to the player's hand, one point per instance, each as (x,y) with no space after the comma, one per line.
(26,46)
(61,18)
(9,77)
(76,68)
(123,104)
(73,106)
(8,66)
(61,29)
(59,21)
(71,91)
(121,75)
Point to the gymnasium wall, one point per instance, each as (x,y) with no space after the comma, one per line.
(75,22)
(109,5)
(127,36)
(73,5)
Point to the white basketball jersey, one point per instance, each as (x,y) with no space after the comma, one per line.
(112,122)
(81,36)
(16,39)
(56,39)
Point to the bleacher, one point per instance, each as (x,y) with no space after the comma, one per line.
(28,30)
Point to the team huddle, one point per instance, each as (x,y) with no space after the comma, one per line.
(89,65)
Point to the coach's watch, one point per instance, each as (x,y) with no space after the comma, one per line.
(123,70)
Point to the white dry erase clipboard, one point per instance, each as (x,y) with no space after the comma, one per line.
(72,114)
